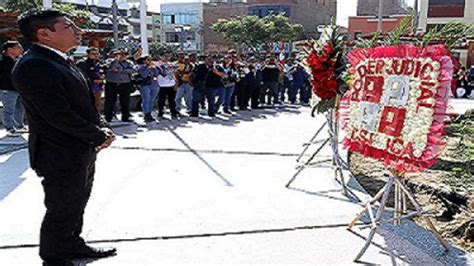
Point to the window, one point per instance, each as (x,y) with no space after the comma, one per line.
(262,11)
(171,37)
(447,2)
(168,19)
(446,8)
(136,30)
(190,36)
(181,18)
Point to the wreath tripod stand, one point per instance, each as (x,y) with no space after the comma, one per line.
(401,193)
(338,164)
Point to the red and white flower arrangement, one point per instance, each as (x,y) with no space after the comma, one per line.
(397,104)
(325,62)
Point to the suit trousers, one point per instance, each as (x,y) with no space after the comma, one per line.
(66,197)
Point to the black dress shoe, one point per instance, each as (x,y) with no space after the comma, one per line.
(57,262)
(93,252)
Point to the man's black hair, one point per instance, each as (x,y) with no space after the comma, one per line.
(92,49)
(9,44)
(33,20)
(165,52)
(142,59)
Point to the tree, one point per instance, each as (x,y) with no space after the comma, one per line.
(255,31)
(22,5)
(80,16)
(280,29)
(243,29)
(156,48)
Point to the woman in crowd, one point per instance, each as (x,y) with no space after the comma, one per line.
(229,80)
(149,88)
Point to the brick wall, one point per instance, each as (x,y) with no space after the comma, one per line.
(371,7)
(214,42)
(366,25)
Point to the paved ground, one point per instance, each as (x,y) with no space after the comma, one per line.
(212,192)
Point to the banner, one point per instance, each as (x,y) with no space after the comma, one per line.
(396,104)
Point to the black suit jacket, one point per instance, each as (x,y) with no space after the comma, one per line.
(63,121)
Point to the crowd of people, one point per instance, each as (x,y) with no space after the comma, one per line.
(464,79)
(183,85)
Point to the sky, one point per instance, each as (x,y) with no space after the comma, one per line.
(345,8)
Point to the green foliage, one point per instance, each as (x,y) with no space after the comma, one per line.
(363,43)
(72,10)
(22,5)
(279,29)
(244,29)
(25,5)
(323,106)
(452,33)
(255,31)
(403,28)
(463,177)
(156,48)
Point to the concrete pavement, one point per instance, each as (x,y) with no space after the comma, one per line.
(200,191)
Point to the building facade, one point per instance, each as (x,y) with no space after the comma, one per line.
(212,12)
(181,25)
(128,16)
(440,12)
(390,7)
(309,13)
(361,25)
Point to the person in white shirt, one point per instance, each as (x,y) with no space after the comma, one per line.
(167,83)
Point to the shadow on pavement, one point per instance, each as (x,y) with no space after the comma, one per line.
(11,171)
(217,173)
(127,130)
(407,241)
(10,144)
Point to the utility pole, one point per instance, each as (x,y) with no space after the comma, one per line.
(47,3)
(380,16)
(115,23)
(416,17)
(143,27)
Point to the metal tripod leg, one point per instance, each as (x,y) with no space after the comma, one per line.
(306,163)
(426,218)
(400,193)
(307,145)
(378,217)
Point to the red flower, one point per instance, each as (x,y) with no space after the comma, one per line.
(328,49)
(323,65)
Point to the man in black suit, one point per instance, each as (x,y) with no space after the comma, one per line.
(65,132)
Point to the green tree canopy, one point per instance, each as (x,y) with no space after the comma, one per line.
(255,31)
(25,5)
(156,48)
(22,5)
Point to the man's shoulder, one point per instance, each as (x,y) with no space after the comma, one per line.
(37,64)
(32,60)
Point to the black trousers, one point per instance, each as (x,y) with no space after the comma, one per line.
(66,195)
(243,94)
(255,95)
(200,93)
(167,93)
(123,92)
